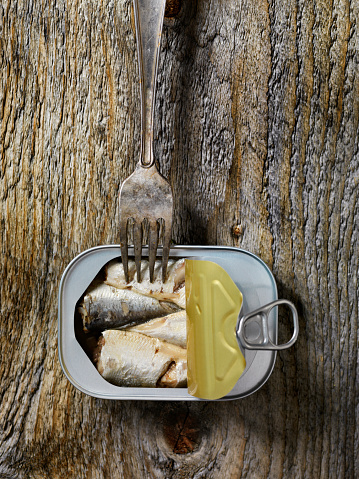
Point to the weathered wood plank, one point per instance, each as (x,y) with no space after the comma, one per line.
(257,117)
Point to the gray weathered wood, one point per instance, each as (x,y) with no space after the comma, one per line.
(256,125)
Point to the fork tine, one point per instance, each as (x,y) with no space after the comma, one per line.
(123,244)
(152,246)
(137,241)
(167,226)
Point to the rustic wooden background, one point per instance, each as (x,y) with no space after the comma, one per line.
(257,127)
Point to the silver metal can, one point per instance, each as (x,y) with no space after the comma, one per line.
(257,329)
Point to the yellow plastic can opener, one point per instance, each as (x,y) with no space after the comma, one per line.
(216,333)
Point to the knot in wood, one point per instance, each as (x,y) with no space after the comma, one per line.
(182,432)
(237,230)
(172,8)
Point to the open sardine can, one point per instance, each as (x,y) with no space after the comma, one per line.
(232,325)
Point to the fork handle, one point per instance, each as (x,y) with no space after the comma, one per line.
(149,21)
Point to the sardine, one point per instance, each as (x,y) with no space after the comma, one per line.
(176,375)
(106,307)
(131,359)
(172,290)
(171,328)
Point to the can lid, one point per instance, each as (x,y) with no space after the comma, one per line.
(213,304)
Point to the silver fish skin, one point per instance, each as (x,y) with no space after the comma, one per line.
(133,360)
(171,328)
(172,290)
(106,307)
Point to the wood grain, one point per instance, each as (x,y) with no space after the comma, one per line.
(257,115)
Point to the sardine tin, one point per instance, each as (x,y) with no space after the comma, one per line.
(248,272)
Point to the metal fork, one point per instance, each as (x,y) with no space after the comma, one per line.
(146,194)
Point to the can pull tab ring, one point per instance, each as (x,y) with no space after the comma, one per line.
(265,341)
